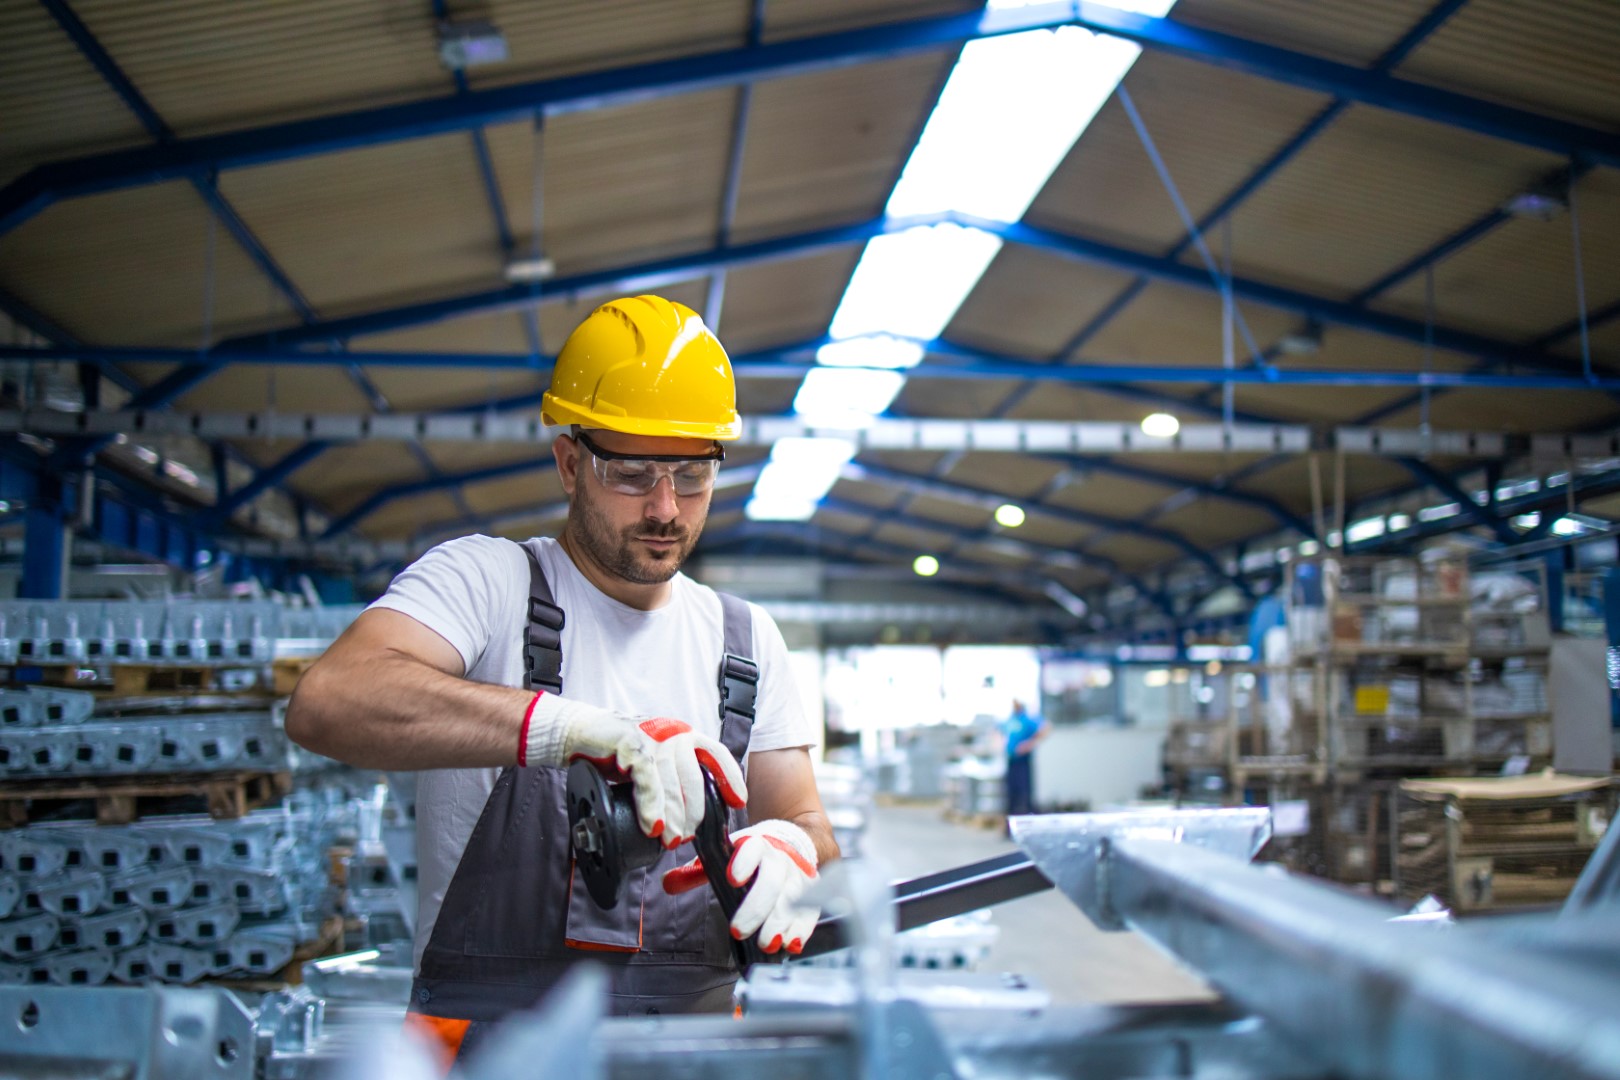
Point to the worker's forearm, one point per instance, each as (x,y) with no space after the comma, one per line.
(819,829)
(402,714)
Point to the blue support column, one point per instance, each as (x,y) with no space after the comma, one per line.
(1555,588)
(45,554)
(1611,621)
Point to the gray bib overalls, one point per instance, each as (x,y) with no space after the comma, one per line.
(516,916)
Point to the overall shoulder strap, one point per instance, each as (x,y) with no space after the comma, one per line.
(739,675)
(542,639)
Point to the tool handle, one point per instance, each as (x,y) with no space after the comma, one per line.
(713,844)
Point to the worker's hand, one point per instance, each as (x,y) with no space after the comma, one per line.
(780,857)
(663,758)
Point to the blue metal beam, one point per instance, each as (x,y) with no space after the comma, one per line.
(1322,309)
(272,477)
(1218,489)
(1596,318)
(1429,476)
(442,482)
(463,112)
(947,361)
(202,181)
(1069,514)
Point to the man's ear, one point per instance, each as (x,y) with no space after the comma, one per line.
(566,453)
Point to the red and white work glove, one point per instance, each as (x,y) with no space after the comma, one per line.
(780,857)
(664,758)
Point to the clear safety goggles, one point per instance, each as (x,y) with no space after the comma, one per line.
(638,474)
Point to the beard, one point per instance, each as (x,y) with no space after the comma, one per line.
(616,550)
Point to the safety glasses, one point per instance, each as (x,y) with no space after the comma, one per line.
(632,474)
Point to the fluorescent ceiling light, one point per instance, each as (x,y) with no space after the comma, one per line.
(925,565)
(1010,112)
(470,44)
(1364,530)
(539,269)
(1527,521)
(1160,425)
(846,397)
(800,472)
(1009,515)
(910,283)
(874,351)
(1567,527)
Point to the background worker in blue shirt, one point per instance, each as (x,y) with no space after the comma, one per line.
(1022,732)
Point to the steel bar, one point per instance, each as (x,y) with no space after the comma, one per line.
(1367,998)
(943,895)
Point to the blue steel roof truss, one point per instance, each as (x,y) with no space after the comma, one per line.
(190,158)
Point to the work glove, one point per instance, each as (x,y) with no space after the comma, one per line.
(780,857)
(664,759)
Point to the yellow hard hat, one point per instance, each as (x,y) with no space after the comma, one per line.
(644,366)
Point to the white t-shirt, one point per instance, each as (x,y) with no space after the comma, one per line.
(474,593)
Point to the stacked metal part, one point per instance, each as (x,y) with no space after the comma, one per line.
(56,734)
(173,899)
(174,633)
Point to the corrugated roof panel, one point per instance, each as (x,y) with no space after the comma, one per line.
(969,399)
(1042,528)
(958,514)
(375,227)
(548,41)
(754,314)
(515,493)
(1559,60)
(988,554)
(1518,411)
(1315,404)
(1110,496)
(129,267)
(799,18)
(1031,304)
(620,186)
(1213,127)
(878,495)
(839,521)
(826,148)
(1175,325)
(264,62)
(1345,348)
(345,476)
(1199,467)
(912,536)
(1007,474)
(920,462)
(458,457)
(1135,552)
(1212,523)
(262,388)
(410,389)
(1352,31)
(1518,281)
(405,518)
(1371,193)
(766,397)
(1065,401)
(54,102)
(1363,476)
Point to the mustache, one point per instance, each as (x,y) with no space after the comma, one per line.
(671,531)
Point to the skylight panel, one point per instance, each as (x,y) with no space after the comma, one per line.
(873,351)
(846,397)
(910,283)
(800,472)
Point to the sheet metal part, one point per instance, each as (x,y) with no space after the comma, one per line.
(141,1035)
(1069,848)
(1365,998)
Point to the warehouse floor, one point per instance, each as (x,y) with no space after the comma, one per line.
(1042,936)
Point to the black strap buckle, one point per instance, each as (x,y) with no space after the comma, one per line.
(542,647)
(739,684)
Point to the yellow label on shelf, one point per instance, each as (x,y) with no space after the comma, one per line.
(1372,699)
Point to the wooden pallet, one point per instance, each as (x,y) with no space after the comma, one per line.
(131,679)
(120,800)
